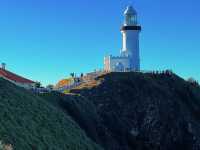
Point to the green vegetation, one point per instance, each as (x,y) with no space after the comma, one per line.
(29,122)
(79,108)
(140,111)
(66,91)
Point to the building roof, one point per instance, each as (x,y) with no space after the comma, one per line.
(130,11)
(14,77)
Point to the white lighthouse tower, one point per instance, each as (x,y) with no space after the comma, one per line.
(130,34)
(129,59)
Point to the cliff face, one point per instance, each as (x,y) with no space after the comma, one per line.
(136,111)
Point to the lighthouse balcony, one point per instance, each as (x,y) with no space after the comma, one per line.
(135,27)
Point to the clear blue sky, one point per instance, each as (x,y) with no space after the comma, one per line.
(45,40)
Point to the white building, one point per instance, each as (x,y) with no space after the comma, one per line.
(16,79)
(129,59)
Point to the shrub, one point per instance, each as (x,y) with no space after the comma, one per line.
(193,81)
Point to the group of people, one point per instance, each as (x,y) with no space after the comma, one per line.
(165,72)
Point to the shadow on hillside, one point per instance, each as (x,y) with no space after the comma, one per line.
(136,111)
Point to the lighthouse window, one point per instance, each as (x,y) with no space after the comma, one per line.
(134,19)
(131,19)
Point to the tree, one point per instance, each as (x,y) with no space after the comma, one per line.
(193,81)
(50,86)
(81,75)
(72,74)
(38,85)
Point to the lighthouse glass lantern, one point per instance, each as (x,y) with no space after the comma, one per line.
(130,16)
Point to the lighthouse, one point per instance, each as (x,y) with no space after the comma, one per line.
(129,58)
(130,36)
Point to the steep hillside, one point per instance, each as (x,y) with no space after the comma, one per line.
(136,111)
(28,123)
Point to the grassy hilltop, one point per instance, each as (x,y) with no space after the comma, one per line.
(136,111)
(28,122)
(118,111)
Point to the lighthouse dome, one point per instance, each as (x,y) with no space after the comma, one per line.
(130,11)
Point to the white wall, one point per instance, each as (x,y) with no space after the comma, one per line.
(131,47)
(110,63)
(24,85)
(107,63)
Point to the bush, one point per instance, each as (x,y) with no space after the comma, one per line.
(193,81)
(30,122)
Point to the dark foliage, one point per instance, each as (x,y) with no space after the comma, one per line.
(140,111)
(28,122)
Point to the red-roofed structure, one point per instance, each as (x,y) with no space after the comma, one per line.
(16,79)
